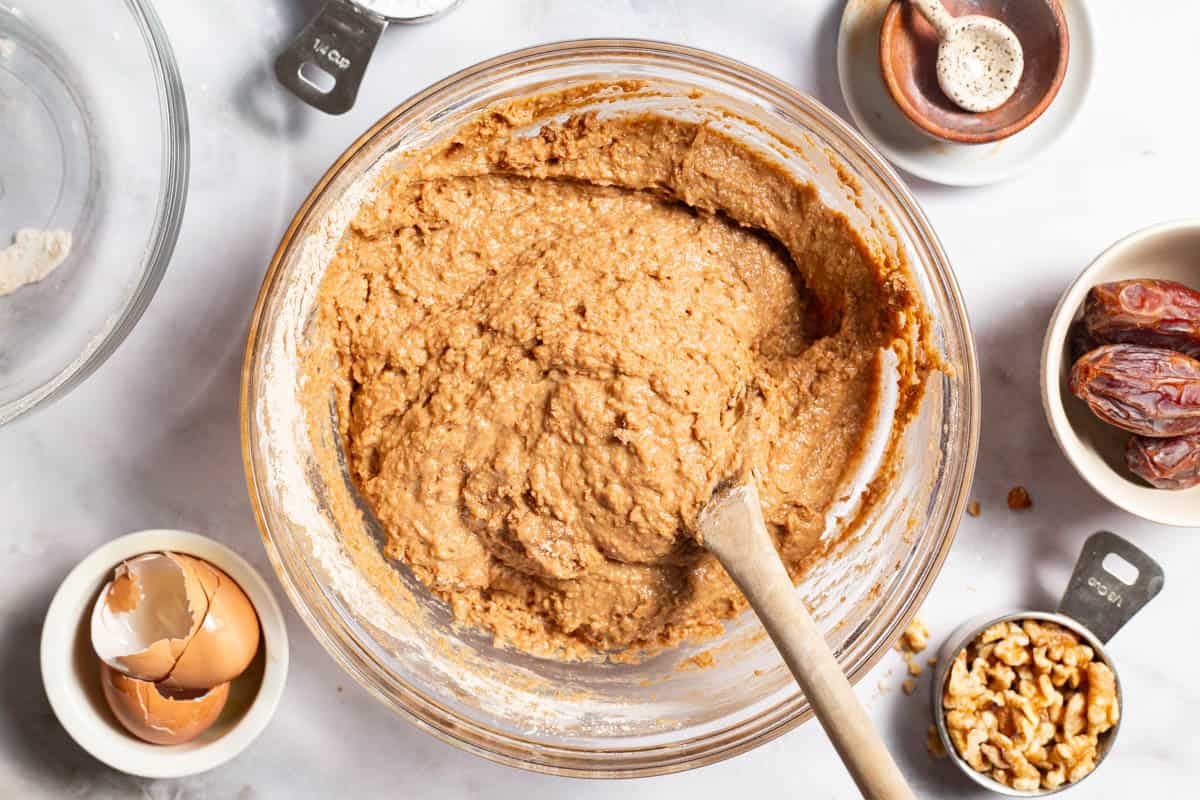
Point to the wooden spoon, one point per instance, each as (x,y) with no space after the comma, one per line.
(732,528)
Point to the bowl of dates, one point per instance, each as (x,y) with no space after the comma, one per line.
(1121,373)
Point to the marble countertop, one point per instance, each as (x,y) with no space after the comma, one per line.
(152,440)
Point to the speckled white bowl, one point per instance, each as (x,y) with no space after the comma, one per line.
(1169,251)
(71,672)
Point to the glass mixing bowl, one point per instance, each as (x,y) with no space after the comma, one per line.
(93,141)
(601,719)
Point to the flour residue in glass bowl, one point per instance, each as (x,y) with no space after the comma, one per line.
(32,256)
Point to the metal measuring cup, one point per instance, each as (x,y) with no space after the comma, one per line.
(1095,606)
(325,64)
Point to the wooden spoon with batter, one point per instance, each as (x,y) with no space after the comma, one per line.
(732,528)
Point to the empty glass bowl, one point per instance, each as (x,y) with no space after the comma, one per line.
(93,142)
(602,719)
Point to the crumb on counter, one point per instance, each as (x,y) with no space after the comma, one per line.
(915,637)
(933,743)
(973,508)
(1019,499)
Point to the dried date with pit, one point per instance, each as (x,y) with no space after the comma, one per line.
(1172,463)
(1144,390)
(1146,312)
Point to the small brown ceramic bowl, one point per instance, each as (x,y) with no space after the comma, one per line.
(908,47)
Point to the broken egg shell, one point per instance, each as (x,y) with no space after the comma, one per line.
(152,664)
(204,572)
(123,593)
(226,641)
(156,717)
(144,618)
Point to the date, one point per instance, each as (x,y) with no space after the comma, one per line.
(1144,390)
(1147,312)
(1079,341)
(1172,463)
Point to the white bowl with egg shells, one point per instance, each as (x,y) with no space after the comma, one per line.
(70,668)
(1168,251)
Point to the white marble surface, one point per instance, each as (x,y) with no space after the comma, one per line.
(151,440)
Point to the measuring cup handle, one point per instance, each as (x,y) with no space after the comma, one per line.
(336,46)
(1102,601)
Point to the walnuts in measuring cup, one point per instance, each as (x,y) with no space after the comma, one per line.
(1027,703)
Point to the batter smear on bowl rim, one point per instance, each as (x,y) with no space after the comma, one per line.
(548,346)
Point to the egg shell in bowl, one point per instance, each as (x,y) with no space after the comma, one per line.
(156,717)
(1169,251)
(145,617)
(71,677)
(226,640)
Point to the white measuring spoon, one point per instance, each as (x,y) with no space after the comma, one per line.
(979,61)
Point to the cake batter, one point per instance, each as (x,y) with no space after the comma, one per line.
(551,348)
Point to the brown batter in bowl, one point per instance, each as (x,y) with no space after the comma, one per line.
(883,538)
(553,341)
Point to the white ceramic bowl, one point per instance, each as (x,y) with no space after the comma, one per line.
(70,670)
(1169,251)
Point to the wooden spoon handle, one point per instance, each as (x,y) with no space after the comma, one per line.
(733,529)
